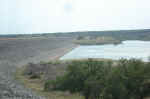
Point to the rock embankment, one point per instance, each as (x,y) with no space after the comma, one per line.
(15,53)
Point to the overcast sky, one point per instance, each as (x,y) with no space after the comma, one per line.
(38,16)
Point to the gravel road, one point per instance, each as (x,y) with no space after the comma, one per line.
(17,52)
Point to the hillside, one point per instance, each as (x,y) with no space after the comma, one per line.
(143,34)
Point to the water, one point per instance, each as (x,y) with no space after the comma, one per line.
(127,49)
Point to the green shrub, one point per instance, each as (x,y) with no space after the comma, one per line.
(125,79)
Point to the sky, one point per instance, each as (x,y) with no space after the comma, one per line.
(48,16)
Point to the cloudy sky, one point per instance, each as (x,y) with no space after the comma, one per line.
(38,16)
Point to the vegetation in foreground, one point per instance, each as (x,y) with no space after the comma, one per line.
(94,79)
(34,76)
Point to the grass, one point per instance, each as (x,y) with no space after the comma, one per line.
(37,86)
(97,41)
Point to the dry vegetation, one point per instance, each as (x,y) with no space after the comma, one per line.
(16,52)
(88,79)
(87,40)
(34,75)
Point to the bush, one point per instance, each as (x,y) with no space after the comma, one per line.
(46,70)
(34,70)
(82,76)
(127,79)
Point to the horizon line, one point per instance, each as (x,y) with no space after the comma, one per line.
(35,33)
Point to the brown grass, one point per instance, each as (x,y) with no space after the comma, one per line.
(37,86)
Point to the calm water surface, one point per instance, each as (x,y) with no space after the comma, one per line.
(128,49)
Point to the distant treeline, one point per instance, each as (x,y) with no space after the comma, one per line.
(119,35)
(97,40)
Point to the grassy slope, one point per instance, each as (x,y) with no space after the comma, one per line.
(97,41)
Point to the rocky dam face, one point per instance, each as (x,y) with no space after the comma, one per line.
(18,52)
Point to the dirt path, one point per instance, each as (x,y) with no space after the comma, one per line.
(15,53)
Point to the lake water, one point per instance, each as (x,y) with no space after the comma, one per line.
(127,49)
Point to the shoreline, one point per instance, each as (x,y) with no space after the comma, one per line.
(64,50)
(37,88)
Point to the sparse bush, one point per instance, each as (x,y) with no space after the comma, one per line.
(35,76)
(45,70)
(128,79)
(33,70)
